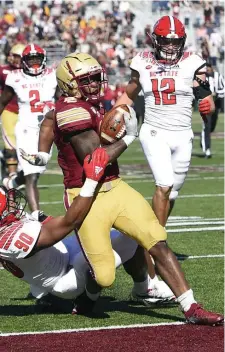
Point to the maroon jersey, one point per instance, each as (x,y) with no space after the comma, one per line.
(73,115)
(12,105)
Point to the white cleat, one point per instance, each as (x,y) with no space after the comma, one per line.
(159,294)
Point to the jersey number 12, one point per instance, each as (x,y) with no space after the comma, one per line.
(164,93)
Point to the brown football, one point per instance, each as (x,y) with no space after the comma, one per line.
(113,126)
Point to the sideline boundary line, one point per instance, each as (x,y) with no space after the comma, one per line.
(113,327)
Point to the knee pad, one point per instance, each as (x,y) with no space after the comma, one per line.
(10,156)
(173,195)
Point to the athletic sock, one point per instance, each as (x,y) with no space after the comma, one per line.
(186,300)
(141,287)
(93,296)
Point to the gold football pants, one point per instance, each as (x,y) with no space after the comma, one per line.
(9,120)
(117,205)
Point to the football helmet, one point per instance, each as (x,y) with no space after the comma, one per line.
(11,207)
(81,76)
(168,39)
(15,55)
(33,60)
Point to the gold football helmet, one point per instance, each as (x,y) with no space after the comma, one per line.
(81,76)
(15,55)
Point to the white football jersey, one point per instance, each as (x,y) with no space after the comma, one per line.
(43,268)
(168,90)
(32,92)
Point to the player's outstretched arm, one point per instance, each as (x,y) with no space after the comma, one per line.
(132,90)
(46,138)
(57,228)
(7,95)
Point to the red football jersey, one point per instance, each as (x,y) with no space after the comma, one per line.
(12,105)
(76,115)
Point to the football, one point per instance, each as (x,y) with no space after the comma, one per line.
(113,125)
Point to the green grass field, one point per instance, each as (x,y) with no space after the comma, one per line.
(201,197)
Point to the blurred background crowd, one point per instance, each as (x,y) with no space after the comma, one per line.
(112,31)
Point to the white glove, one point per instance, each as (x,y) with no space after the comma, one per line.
(131,126)
(39,159)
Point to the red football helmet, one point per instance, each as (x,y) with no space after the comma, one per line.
(33,60)
(168,39)
(11,209)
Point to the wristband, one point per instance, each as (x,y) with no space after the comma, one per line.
(128,139)
(45,157)
(88,188)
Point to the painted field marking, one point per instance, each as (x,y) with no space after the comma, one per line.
(202,256)
(197,196)
(140,179)
(113,327)
(175,224)
(196,229)
(180,197)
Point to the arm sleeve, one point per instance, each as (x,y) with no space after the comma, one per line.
(199,64)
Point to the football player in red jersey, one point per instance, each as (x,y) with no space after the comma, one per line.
(168,77)
(76,125)
(9,116)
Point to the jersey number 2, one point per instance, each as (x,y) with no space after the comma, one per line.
(34,98)
(164,94)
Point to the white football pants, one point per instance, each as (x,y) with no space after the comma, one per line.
(168,154)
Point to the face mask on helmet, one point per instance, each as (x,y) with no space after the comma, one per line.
(11,207)
(92,85)
(169,49)
(34,64)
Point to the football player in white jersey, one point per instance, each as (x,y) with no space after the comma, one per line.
(35,87)
(168,77)
(31,250)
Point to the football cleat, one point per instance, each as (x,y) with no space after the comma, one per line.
(208,154)
(83,305)
(159,294)
(197,315)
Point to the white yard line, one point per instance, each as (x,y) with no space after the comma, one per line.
(176,224)
(196,229)
(180,197)
(196,196)
(203,256)
(141,179)
(113,327)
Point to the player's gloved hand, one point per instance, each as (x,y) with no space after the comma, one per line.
(95,164)
(131,126)
(48,106)
(204,107)
(94,168)
(39,159)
